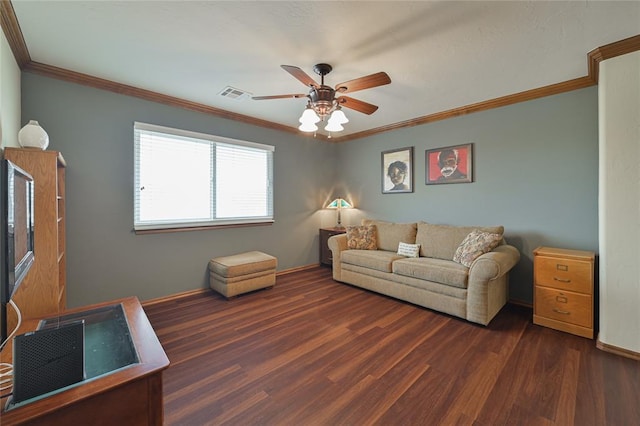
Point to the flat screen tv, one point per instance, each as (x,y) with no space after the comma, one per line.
(17,223)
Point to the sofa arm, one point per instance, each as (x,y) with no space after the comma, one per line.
(488,286)
(494,264)
(337,244)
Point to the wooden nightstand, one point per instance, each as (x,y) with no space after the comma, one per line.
(325,253)
(564,290)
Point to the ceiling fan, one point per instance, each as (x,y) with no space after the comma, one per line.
(325,101)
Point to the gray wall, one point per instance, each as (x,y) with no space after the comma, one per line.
(535,172)
(105,259)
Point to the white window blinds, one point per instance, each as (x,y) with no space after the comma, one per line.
(188,179)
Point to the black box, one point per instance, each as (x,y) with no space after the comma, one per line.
(48,359)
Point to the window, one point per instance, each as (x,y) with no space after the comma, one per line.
(186,179)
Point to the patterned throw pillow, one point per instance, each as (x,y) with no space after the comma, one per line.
(409,250)
(362,237)
(474,245)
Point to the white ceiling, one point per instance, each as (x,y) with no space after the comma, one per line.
(439,54)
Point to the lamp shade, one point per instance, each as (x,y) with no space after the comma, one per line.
(333,126)
(339,203)
(308,127)
(309,116)
(338,117)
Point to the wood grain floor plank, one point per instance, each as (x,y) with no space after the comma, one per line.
(479,378)
(329,410)
(368,360)
(312,351)
(424,403)
(566,406)
(591,401)
(623,382)
(380,396)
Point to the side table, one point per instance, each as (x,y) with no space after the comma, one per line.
(325,253)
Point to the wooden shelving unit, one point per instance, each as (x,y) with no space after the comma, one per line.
(43,291)
(62,242)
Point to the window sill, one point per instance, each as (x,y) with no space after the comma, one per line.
(199,228)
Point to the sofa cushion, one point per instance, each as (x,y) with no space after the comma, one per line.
(408,250)
(474,245)
(373,259)
(391,234)
(436,270)
(442,241)
(362,237)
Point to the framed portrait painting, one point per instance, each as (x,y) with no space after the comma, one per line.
(397,171)
(451,164)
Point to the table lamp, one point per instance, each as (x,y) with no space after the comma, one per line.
(339,204)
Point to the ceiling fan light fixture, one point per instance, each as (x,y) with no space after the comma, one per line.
(309,116)
(333,126)
(308,127)
(338,117)
(322,102)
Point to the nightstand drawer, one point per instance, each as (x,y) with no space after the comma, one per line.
(565,306)
(565,274)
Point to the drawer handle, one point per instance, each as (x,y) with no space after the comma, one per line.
(562,280)
(560,311)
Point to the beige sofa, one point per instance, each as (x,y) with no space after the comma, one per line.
(433,280)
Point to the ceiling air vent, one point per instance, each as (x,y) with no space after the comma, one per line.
(235,94)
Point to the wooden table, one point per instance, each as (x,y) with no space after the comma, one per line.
(129,396)
(326,257)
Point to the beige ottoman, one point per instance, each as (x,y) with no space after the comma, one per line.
(242,273)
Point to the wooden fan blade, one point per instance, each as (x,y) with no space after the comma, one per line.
(361,106)
(366,82)
(300,75)
(296,95)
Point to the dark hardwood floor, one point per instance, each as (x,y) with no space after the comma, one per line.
(312,351)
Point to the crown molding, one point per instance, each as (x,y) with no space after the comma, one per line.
(12,32)
(594,58)
(123,89)
(14,36)
(609,51)
(553,89)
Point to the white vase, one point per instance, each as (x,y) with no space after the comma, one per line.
(33,136)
